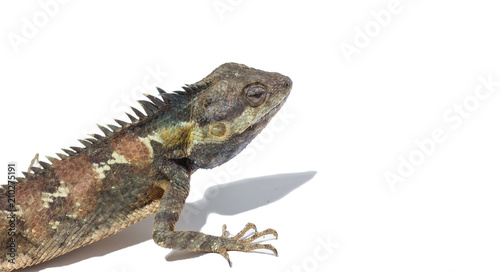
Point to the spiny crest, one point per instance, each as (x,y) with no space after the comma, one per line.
(189,91)
(151,107)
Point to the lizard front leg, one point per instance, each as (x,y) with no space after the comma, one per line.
(168,213)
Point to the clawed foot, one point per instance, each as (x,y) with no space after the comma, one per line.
(237,244)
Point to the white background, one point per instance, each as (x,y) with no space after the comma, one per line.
(319,176)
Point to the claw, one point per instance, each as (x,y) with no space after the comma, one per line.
(258,235)
(224,231)
(226,256)
(238,244)
(244,230)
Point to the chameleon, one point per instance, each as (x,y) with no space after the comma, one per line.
(139,168)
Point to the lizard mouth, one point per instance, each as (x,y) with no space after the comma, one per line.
(282,88)
(286,86)
(264,120)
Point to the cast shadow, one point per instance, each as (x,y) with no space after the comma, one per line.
(226,199)
(234,198)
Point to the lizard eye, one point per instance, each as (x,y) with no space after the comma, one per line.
(255,95)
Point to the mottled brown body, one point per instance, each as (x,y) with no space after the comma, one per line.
(59,210)
(141,168)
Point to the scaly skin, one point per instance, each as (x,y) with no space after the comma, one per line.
(141,168)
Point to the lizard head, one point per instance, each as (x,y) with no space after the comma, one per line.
(235,105)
